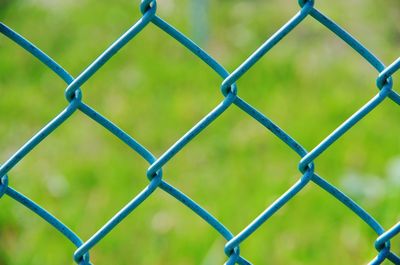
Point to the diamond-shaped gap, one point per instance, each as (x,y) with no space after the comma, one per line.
(83,176)
(231,171)
(179,89)
(283,54)
(310,78)
(364,166)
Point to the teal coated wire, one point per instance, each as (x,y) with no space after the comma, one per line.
(229,90)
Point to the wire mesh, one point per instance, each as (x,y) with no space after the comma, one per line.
(229,90)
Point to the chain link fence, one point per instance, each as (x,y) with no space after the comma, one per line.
(385,95)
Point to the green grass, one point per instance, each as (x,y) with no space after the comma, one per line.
(156,90)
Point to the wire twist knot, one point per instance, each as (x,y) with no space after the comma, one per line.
(304,2)
(73,94)
(83,259)
(3,185)
(148,6)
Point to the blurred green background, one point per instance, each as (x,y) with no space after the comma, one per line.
(156,90)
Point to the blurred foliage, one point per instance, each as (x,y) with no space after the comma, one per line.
(156,90)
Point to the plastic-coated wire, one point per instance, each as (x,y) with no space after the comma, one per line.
(229,89)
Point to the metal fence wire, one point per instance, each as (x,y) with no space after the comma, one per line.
(229,90)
